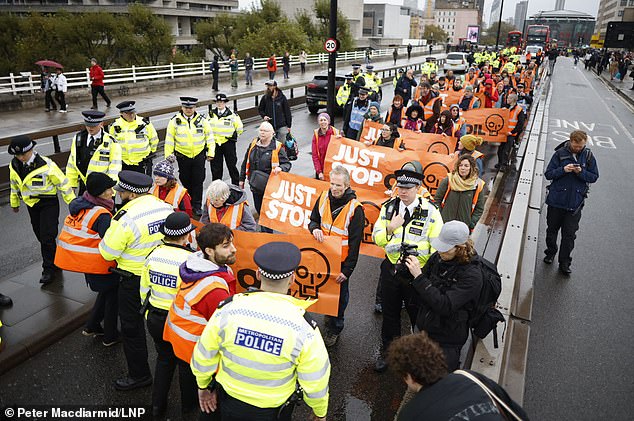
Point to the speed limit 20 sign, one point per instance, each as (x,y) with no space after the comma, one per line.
(331,45)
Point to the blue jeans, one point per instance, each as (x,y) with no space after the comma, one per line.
(335,324)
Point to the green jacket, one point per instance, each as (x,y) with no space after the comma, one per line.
(457,206)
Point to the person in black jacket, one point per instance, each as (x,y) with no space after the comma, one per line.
(214,67)
(448,288)
(439,395)
(404,86)
(263,157)
(344,211)
(274,108)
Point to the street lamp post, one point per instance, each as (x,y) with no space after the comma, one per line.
(497,39)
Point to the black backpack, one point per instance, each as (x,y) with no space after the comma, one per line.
(485,317)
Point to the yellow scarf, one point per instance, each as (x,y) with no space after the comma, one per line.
(458,183)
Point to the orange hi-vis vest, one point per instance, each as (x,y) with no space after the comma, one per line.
(174,196)
(184,324)
(232,217)
(78,244)
(473,100)
(478,190)
(513,118)
(340,225)
(428,109)
(389,114)
(275,156)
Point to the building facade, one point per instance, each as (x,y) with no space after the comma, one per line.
(386,24)
(570,28)
(496,7)
(521,8)
(181,15)
(455,21)
(612,11)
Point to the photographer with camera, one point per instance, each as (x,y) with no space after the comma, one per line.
(405,227)
(448,289)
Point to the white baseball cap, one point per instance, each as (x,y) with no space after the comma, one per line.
(453,233)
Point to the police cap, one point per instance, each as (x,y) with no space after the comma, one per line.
(369,67)
(21,144)
(188,101)
(134,182)
(277,260)
(221,97)
(410,175)
(92,118)
(270,83)
(356,66)
(364,91)
(349,76)
(401,70)
(176,225)
(126,106)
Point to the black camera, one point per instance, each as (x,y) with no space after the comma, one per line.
(400,268)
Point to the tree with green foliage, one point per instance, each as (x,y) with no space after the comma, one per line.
(434,34)
(151,37)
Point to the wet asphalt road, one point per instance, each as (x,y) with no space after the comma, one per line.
(579,361)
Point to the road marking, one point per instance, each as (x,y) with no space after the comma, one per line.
(631,138)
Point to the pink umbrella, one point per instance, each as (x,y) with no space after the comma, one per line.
(49,63)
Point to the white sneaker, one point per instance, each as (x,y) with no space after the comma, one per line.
(63,111)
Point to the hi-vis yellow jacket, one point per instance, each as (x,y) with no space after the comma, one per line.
(258,345)
(138,138)
(106,158)
(134,232)
(418,231)
(226,125)
(43,181)
(160,274)
(189,137)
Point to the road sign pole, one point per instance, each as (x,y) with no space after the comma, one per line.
(332,62)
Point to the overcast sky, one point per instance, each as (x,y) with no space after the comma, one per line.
(589,6)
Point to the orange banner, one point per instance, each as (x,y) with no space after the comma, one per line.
(373,167)
(489,123)
(315,276)
(450,98)
(289,200)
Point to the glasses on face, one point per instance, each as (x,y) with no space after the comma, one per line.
(386,129)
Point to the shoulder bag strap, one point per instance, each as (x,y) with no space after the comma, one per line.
(495,398)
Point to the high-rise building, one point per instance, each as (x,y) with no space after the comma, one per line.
(570,28)
(520,14)
(496,7)
(560,4)
(454,21)
(610,11)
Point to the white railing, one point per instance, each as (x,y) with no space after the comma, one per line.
(31,82)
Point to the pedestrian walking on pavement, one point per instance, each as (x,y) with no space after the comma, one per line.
(214,68)
(159,284)
(439,394)
(303,58)
(96,84)
(35,180)
(92,150)
(89,218)
(233,70)
(226,126)
(275,109)
(49,90)
(286,64)
(137,137)
(168,189)
(271,66)
(189,137)
(339,213)
(238,338)
(61,87)
(248,69)
(395,55)
(133,233)
(571,170)
(409,51)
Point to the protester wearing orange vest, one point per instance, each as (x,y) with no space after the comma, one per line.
(339,213)
(206,281)
(78,251)
(168,189)
(263,157)
(158,287)
(467,146)
(468,101)
(227,204)
(461,194)
(517,118)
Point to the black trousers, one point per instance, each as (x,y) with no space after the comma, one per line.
(192,176)
(132,327)
(393,293)
(61,98)
(214,84)
(257,203)
(49,102)
(504,150)
(106,305)
(566,221)
(452,356)
(233,409)
(44,220)
(166,363)
(144,167)
(227,151)
(99,90)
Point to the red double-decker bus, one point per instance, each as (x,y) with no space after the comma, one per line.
(514,39)
(538,35)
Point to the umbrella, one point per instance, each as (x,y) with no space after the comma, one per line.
(49,63)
